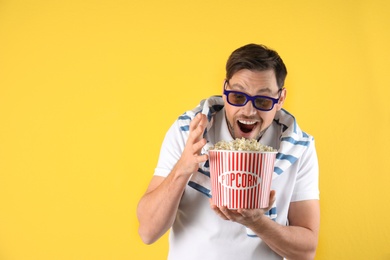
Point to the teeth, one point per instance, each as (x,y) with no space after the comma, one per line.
(247,122)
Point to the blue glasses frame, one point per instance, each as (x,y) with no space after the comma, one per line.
(259,99)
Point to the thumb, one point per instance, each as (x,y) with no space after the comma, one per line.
(272,198)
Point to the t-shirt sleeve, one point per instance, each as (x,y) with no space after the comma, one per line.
(171,149)
(307,186)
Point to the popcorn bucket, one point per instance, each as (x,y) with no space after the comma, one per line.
(241,179)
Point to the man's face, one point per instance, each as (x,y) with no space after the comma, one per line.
(247,121)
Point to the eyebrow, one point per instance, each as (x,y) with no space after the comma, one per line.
(260,92)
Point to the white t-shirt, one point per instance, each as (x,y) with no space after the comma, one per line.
(198,233)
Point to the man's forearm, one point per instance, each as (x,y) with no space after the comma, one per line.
(291,242)
(158,207)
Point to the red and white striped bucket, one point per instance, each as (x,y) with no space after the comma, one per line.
(241,179)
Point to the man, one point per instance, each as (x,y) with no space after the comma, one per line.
(178,195)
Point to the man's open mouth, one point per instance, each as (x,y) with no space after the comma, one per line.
(246,126)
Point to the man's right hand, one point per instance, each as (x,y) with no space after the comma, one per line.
(191,156)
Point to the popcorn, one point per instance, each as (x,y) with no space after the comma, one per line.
(242,144)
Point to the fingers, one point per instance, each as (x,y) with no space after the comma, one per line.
(191,156)
(201,158)
(272,198)
(195,140)
(198,145)
(244,216)
(217,211)
(197,127)
(224,212)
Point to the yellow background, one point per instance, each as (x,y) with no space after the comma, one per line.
(89,88)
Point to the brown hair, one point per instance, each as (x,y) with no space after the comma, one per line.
(256,58)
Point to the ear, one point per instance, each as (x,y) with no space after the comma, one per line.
(282,98)
(225,81)
(223,88)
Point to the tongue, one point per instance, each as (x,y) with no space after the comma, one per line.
(246,128)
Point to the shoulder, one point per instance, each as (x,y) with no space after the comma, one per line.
(289,126)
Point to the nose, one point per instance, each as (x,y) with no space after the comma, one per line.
(249,108)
